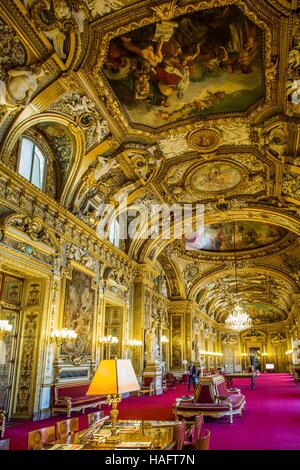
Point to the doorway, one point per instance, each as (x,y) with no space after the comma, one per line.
(10,300)
(21,305)
(113,327)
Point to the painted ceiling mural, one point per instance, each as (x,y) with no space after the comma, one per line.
(216,176)
(196,65)
(262,313)
(248,236)
(265,298)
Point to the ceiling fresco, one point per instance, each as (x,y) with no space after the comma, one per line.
(262,313)
(265,298)
(201,64)
(216,176)
(248,236)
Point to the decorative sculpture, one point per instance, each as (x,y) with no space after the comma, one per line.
(152,346)
(19,86)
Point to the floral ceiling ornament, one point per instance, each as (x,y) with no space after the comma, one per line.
(165,11)
(205,140)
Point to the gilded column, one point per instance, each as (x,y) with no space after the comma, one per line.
(140,312)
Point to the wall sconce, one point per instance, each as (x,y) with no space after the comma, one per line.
(164,339)
(244,354)
(134,343)
(108,340)
(5,327)
(59,336)
(290,351)
(264,354)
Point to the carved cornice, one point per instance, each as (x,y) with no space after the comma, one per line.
(23,197)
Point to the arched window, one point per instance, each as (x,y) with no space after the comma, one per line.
(32,162)
(114,233)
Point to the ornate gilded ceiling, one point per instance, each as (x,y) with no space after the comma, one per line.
(273,298)
(240,236)
(168,102)
(170,71)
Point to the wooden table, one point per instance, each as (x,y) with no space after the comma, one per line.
(134,434)
(247,375)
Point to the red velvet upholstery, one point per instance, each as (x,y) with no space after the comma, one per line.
(147,381)
(170,379)
(212,398)
(72,397)
(72,391)
(203,394)
(222,389)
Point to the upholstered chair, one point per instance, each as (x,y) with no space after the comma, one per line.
(2,423)
(178,436)
(65,430)
(41,438)
(94,417)
(203,442)
(193,433)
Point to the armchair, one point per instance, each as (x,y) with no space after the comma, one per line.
(212,398)
(170,380)
(2,423)
(147,387)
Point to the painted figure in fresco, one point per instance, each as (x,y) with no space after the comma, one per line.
(178,65)
(148,53)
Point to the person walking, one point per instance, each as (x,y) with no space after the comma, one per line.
(192,375)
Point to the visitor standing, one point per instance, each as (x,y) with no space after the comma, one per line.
(192,375)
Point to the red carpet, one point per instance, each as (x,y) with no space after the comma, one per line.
(271,420)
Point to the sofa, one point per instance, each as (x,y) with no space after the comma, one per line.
(72,397)
(211,398)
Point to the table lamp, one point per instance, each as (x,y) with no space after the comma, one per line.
(112,378)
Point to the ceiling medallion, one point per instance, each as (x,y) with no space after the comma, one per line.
(204,140)
(215,177)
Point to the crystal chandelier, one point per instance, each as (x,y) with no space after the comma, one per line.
(239,319)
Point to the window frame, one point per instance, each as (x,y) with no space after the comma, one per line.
(113,224)
(43,179)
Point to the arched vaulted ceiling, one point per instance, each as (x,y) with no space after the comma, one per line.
(144,103)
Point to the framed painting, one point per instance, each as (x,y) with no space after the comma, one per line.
(78,313)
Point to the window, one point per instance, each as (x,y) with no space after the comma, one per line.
(32,162)
(114,233)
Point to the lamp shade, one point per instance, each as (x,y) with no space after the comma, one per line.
(113,376)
